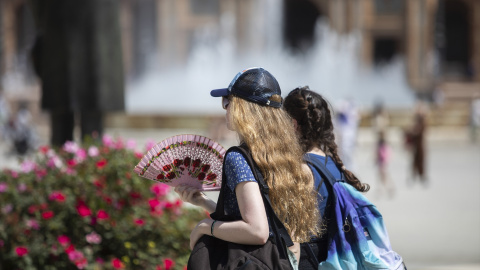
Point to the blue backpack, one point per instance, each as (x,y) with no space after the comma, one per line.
(357,237)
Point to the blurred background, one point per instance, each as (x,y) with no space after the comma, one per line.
(143,69)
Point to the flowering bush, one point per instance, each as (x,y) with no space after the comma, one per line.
(81,207)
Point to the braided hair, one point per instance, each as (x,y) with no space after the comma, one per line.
(313,115)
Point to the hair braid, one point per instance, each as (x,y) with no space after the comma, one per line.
(313,116)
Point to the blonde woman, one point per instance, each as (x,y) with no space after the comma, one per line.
(253,110)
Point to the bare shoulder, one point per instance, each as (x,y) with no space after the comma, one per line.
(306,169)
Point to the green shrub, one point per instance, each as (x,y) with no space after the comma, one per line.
(82,207)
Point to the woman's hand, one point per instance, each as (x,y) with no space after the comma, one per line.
(202,228)
(196,197)
(190,194)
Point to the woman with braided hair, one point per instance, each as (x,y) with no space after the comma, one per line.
(312,119)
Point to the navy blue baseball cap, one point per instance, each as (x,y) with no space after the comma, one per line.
(252,84)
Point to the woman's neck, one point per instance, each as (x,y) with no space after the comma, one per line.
(317,151)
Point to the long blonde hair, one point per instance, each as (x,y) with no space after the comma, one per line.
(272,140)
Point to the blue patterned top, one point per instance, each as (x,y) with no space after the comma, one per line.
(236,171)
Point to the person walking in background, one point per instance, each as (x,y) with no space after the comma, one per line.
(347,121)
(312,119)
(19,131)
(380,123)
(253,110)
(4,115)
(474,119)
(415,142)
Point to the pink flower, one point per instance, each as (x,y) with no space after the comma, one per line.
(54,162)
(102,214)
(43,149)
(3,187)
(101,163)
(135,195)
(168,263)
(57,196)
(154,204)
(28,166)
(83,210)
(14,174)
(138,155)
(21,187)
(70,171)
(7,208)
(71,163)
(156,207)
(149,144)
(119,144)
(21,251)
(81,154)
(117,264)
(131,144)
(48,215)
(107,140)
(160,189)
(93,151)
(32,209)
(33,224)
(93,238)
(81,263)
(40,173)
(69,249)
(139,222)
(63,240)
(178,203)
(70,147)
(75,255)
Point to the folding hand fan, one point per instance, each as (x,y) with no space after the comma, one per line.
(184,159)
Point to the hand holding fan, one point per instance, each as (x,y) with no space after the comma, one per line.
(193,160)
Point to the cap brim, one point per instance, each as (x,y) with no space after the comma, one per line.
(219,92)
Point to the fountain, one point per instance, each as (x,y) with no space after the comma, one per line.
(332,67)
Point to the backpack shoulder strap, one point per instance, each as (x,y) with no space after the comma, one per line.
(330,213)
(276,225)
(321,168)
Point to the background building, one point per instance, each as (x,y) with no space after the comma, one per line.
(435,39)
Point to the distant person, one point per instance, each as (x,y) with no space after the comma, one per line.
(474,119)
(380,123)
(19,131)
(78,57)
(4,115)
(347,121)
(313,120)
(438,97)
(415,140)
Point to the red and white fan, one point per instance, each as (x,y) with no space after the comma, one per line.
(193,160)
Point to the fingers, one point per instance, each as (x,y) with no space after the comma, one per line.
(187,193)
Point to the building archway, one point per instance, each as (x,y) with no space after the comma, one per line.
(457,32)
(299,21)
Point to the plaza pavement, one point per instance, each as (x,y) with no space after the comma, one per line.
(434,226)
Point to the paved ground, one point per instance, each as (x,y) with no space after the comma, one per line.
(434,226)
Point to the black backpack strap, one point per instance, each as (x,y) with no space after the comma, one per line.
(219,213)
(280,232)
